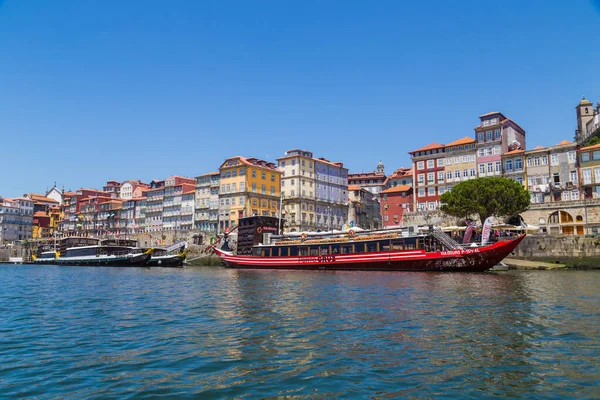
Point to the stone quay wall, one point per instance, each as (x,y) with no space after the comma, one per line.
(574,251)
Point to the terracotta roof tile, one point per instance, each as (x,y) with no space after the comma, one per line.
(430,146)
(514,152)
(596,146)
(395,189)
(465,140)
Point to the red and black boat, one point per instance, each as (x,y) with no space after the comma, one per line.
(383,250)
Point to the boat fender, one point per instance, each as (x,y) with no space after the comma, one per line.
(303,237)
(351,233)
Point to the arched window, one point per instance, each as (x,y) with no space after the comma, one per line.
(565,217)
(579,218)
(553,218)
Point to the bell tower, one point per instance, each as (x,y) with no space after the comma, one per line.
(585,112)
(380,168)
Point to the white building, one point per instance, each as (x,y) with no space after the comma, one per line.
(16,219)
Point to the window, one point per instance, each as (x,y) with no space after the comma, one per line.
(254,173)
(497,135)
(596,155)
(272,177)
(585,156)
(440,162)
(490,167)
(481,152)
(421,179)
(465,173)
(421,192)
(441,190)
(253,187)
(472,172)
(554,159)
(572,156)
(575,195)
(488,135)
(449,176)
(430,163)
(498,166)
(573,177)
(565,196)
(508,165)
(430,177)
(457,174)
(480,136)
(420,165)
(481,169)
(441,176)
(544,160)
(587,176)
(431,191)
(518,164)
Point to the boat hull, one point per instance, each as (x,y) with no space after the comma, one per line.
(172,261)
(468,259)
(134,260)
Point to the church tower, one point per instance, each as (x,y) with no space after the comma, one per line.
(380,168)
(585,112)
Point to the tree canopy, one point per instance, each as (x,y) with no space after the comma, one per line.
(485,197)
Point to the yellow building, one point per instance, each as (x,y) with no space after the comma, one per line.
(249,186)
(460,163)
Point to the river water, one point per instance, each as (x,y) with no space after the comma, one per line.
(75,332)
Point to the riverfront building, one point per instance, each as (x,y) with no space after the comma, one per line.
(495,136)
(249,186)
(132,189)
(178,207)
(395,201)
(428,168)
(363,208)
(401,177)
(206,217)
(315,192)
(374,182)
(460,163)
(16,219)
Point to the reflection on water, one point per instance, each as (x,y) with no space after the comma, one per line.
(213,332)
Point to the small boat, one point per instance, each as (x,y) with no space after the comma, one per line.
(45,254)
(382,250)
(172,256)
(45,257)
(94,252)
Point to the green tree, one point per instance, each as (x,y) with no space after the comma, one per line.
(594,140)
(485,197)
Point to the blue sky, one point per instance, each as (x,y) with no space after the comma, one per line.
(95,90)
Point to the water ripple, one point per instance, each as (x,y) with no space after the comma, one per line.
(76,333)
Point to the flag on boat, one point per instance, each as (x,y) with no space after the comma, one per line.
(485,231)
(468,231)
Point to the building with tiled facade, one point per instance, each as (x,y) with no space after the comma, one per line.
(401,177)
(495,136)
(363,208)
(16,219)
(249,186)
(178,213)
(206,217)
(395,201)
(374,182)
(428,168)
(460,163)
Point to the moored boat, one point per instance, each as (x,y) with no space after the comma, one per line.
(172,256)
(391,250)
(93,252)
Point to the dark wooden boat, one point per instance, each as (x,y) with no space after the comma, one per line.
(110,252)
(172,256)
(386,250)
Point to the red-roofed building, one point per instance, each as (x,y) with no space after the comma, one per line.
(460,163)
(428,168)
(395,201)
(495,136)
(402,176)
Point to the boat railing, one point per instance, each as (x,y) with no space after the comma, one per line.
(446,240)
